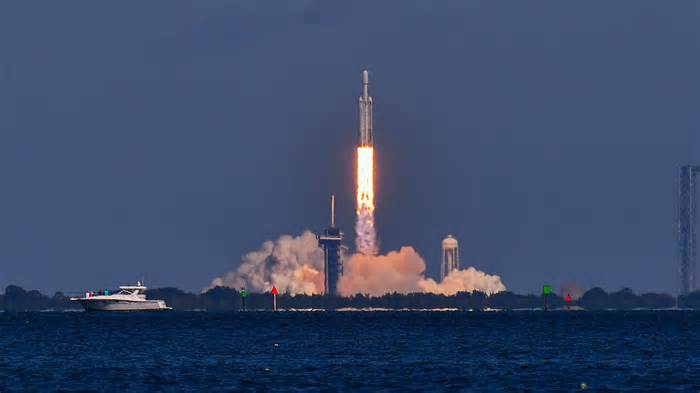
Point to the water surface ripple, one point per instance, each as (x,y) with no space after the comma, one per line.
(350,351)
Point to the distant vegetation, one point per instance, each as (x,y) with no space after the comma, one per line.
(227,299)
(17,299)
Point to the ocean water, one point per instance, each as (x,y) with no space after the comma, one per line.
(351,351)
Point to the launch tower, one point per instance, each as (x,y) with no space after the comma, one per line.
(686,226)
(331,241)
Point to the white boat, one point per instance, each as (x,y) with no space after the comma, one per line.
(129,298)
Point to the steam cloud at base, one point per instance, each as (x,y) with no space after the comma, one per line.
(402,272)
(292,264)
(295,265)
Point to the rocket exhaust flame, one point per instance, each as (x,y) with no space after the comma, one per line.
(366,240)
(365,178)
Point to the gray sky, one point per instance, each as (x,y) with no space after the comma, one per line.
(165,139)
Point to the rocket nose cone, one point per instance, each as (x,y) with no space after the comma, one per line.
(365,77)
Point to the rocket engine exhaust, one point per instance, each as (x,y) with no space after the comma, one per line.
(366,235)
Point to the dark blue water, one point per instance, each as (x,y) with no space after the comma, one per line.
(351,351)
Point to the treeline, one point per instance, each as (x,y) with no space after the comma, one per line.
(18,299)
(595,299)
(692,300)
(228,299)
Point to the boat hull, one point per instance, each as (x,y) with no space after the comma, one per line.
(123,305)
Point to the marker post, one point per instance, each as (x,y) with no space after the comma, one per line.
(546,290)
(244,294)
(274,298)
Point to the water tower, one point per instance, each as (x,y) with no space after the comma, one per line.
(450,256)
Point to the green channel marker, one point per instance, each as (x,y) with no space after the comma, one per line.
(546,290)
(244,294)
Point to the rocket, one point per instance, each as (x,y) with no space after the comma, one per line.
(366,132)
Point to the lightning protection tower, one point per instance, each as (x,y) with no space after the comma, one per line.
(686,226)
(331,241)
(450,256)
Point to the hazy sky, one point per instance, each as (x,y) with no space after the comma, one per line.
(164,139)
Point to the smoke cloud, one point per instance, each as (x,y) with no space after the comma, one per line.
(403,272)
(295,265)
(464,280)
(366,240)
(292,264)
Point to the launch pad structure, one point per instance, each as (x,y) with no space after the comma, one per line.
(331,242)
(687,177)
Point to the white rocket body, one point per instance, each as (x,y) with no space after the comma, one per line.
(366,131)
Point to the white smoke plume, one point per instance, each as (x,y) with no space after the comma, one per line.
(295,265)
(292,264)
(464,280)
(366,240)
(402,272)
